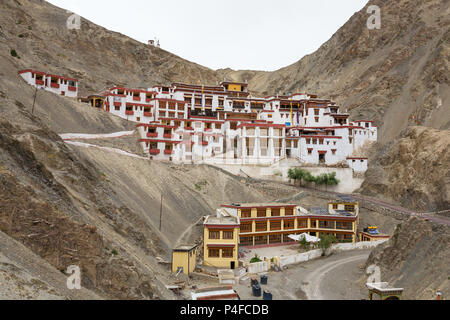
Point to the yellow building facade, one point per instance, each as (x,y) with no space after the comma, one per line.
(266,225)
(184,256)
(220,241)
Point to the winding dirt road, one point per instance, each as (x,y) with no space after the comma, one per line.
(329,280)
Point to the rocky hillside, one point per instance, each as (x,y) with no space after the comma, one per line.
(413,170)
(397,75)
(100,58)
(416,259)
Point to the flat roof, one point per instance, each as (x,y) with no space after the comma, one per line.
(259,205)
(185,247)
(214,220)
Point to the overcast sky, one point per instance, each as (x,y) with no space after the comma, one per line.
(239,34)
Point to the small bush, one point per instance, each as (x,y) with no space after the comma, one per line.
(304,244)
(326,240)
(114,252)
(30,28)
(255,259)
(21,35)
(14,53)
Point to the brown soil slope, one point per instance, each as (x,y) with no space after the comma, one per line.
(416,258)
(413,171)
(388,75)
(98,57)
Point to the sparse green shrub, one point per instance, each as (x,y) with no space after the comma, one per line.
(199,185)
(277,173)
(14,53)
(114,252)
(304,244)
(396,232)
(255,259)
(21,35)
(30,28)
(326,240)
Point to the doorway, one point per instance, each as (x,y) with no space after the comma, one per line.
(233,265)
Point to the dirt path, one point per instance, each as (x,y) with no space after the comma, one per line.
(323,282)
(86,136)
(332,278)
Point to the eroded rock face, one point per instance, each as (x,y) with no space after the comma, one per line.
(414,170)
(416,259)
(38,210)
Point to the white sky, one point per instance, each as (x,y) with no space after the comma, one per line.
(239,34)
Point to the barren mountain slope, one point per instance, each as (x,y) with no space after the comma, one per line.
(98,57)
(413,170)
(416,259)
(387,75)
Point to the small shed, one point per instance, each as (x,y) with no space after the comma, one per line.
(184,258)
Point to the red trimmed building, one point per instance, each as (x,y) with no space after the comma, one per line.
(54,83)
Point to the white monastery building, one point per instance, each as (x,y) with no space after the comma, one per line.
(57,84)
(224,124)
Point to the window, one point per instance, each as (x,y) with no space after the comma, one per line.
(302,223)
(344,225)
(214,253)
(275,238)
(324,224)
(227,253)
(260,240)
(275,212)
(228,235)
(289,211)
(261,226)
(246,227)
(246,213)
(261,212)
(335,206)
(349,207)
(214,234)
(275,225)
(316,112)
(246,241)
(288,224)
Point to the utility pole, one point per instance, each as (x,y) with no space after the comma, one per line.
(34,100)
(160,213)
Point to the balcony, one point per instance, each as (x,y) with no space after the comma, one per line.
(136,98)
(54,85)
(188,128)
(204,143)
(148,114)
(154,151)
(152,134)
(71,88)
(117,104)
(168,152)
(168,136)
(129,113)
(40,82)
